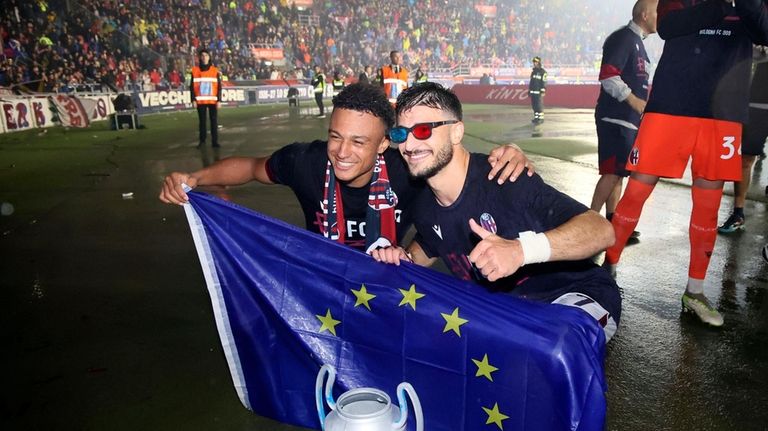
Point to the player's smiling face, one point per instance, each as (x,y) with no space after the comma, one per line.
(426,157)
(354,141)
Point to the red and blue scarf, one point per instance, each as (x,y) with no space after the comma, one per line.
(380,230)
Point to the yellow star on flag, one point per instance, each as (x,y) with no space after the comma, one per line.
(410,296)
(329,323)
(363,297)
(453,321)
(495,416)
(484,368)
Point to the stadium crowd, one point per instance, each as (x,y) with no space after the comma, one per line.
(56,45)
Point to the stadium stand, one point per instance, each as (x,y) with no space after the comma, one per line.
(89,45)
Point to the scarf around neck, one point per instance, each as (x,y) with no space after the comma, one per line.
(380,230)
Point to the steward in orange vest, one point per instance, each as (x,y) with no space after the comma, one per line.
(206,95)
(394,77)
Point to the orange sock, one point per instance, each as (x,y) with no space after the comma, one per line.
(703,229)
(627,214)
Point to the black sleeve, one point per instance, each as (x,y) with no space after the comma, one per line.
(754,16)
(292,162)
(616,52)
(675,20)
(549,206)
(281,165)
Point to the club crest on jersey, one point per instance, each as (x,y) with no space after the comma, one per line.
(381,196)
(642,65)
(634,156)
(487,222)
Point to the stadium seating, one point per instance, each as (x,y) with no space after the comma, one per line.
(150,44)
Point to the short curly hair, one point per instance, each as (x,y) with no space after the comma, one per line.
(366,98)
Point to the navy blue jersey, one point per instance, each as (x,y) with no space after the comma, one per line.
(528,204)
(624,56)
(301,167)
(705,67)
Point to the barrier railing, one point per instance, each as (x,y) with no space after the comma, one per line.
(19,113)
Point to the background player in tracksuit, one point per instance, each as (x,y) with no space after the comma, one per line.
(753,140)
(699,101)
(623,94)
(537,87)
(318,84)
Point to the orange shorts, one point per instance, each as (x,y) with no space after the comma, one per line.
(665,143)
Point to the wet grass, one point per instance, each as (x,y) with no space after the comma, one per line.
(491,125)
(160,127)
(33,161)
(560,148)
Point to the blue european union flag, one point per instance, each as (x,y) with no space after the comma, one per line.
(287,301)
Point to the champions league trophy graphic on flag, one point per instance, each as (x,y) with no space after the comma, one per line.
(287,301)
(364,409)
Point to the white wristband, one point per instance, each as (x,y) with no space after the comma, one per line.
(535,246)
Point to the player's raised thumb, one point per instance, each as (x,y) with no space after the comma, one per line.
(478,230)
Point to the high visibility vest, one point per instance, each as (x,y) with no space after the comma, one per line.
(338,85)
(319,83)
(206,85)
(394,83)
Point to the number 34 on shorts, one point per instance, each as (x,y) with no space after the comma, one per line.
(731,147)
(665,143)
